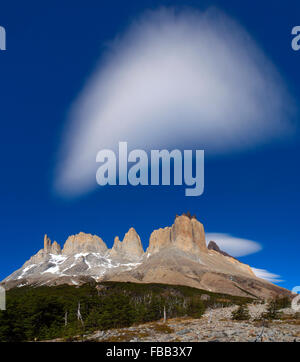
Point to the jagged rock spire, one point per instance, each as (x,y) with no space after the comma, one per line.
(47,244)
(51,248)
(130,248)
(55,248)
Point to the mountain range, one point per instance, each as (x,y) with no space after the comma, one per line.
(176,254)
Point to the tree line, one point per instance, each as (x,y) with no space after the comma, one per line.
(65,311)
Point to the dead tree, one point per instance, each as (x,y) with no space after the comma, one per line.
(259,338)
(79,316)
(66,318)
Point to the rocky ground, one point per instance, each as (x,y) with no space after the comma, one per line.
(215,326)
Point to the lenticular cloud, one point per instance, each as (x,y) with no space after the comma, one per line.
(265,274)
(174,79)
(234,246)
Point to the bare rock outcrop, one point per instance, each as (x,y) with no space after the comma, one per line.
(55,248)
(84,243)
(186,234)
(47,244)
(50,248)
(212,245)
(159,239)
(130,248)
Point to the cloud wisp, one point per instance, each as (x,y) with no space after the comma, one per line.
(265,274)
(232,245)
(238,247)
(174,79)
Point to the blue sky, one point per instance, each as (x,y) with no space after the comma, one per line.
(53,49)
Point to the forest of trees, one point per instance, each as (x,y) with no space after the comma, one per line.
(64,311)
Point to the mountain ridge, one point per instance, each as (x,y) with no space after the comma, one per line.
(176,254)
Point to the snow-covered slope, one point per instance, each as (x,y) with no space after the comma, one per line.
(82,255)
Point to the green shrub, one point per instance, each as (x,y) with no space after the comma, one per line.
(241,314)
(283,302)
(272,310)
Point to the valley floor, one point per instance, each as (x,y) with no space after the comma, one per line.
(214,326)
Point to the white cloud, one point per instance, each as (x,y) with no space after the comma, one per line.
(264,274)
(238,247)
(234,246)
(174,79)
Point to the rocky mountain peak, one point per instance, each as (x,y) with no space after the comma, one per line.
(84,243)
(186,234)
(55,248)
(160,238)
(130,248)
(214,246)
(117,243)
(51,248)
(47,244)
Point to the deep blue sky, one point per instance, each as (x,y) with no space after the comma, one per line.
(52,48)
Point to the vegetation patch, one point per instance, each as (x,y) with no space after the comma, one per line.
(64,311)
(162,328)
(241,314)
(127,336)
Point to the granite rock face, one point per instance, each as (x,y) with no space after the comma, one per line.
(159,239)
(185,234)
(84,243)
(130,248)
(55,248)
(188,235)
